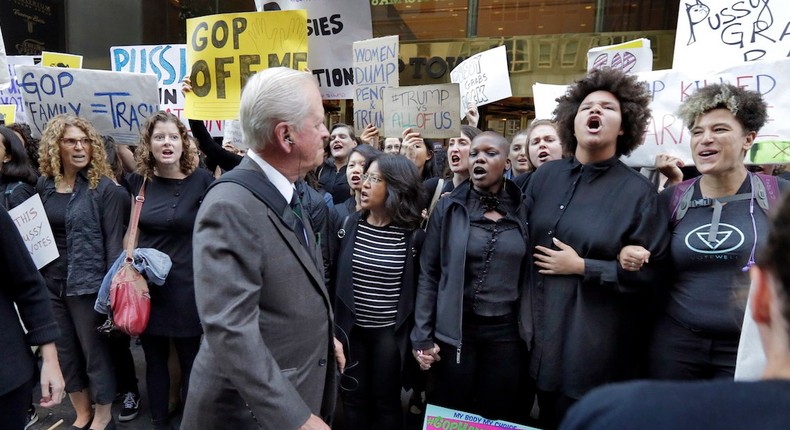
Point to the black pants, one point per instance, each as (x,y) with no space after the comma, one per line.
(487,379)
(371,398)
(13,406)
(553,408)
(157,375)
(125,374)
(679,353)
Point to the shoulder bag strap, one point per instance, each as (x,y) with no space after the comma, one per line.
(132,229)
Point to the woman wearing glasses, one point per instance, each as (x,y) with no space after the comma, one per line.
(375,277)
(85,211)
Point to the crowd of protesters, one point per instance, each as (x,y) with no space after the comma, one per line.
(502,278)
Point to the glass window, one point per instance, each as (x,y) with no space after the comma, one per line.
(419,19)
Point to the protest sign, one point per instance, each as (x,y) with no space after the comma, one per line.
(669,88)
(223,51)
(483,78)
(545,96)
(439,418)
(8,113)
(332,28)
(431,110)
(5,77)
(233,134)
(33,225)
(116,103)
(57,59)
(715,34)
(375,68)
(12,95)
(630,57)
(169,64)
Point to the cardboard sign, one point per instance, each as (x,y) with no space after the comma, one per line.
(483,78)
(223,51)
(630,57)
(31,220)
(439,418)
(332,28)
(8,113)
(666,132)
(431,110)
(375,69)
(169,64)
(116,103)
(57,59)
(715,34)
(5,77)
(13,95)
(545,96)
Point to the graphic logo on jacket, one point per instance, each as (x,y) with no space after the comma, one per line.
(728,238)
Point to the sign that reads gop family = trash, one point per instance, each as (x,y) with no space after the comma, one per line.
(13,95)
(630,57)
(375,69)
(666,132)
(714,34)
(431,110)
(439,418)
(117,104)
(483,78)
(169,64)
(332,28)
(33,226)
(223,51)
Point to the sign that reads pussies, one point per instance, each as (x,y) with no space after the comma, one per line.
(33,225)
(431,110)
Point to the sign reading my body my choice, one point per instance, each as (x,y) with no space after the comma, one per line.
(223,51)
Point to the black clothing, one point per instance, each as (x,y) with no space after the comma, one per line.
(14,405)
(215,153)
(522,180)
(157,374)
(14,193)
(333,181)
(591,329)
(55,207)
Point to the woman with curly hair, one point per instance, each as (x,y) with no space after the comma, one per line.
(375,277)
(174,188)
(85,211)
(714,241)
(587,311)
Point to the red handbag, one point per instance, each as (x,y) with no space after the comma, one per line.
(129,296)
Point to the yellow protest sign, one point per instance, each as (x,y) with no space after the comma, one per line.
(57,59)
(8,113)
(223,51)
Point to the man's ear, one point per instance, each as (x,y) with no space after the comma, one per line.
(283,137)
(762,296)
(750,136)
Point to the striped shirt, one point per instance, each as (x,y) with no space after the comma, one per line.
(377,271)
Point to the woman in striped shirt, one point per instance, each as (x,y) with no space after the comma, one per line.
(375,275)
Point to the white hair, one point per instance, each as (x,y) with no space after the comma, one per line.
(272,96)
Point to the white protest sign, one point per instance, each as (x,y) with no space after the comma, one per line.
(5,77)
(332,28)
(630,57)
(233,134)
(431,110)
(714,34)
(33,225)
(169,64)
(545,96)
(483,78)
(13,95)
(669,88)
(375,68)
(116,103)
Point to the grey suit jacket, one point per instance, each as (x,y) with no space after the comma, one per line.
(266,358)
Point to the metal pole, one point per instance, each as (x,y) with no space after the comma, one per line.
(599,12)
(471,18)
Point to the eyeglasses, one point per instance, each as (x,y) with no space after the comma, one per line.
(71,143)
(372,178)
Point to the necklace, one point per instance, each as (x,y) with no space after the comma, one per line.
(69,188)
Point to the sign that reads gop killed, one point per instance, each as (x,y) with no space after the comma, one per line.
(33,225)
(169,64)
(375,69)
(483,78)
(223,51)
(332,28)
(431,110)
(714,34)
(116,103)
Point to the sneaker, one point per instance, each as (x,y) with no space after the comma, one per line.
(131,407)
(32,417)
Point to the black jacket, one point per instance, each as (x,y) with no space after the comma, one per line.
(440,291)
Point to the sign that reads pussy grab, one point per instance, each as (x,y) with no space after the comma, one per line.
(483,78)
(223,51)
(117,104)
(431,110)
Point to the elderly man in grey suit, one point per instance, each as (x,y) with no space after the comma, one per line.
(268,354)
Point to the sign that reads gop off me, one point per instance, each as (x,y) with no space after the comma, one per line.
(223,51)
(117,104)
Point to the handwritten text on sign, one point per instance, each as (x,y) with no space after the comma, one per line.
(13,94)
(375,68)
(431,110)
(714,34)
(33,225)
(483,78)
(223,51)
(116,103)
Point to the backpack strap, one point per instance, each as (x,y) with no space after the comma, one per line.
(436,194)
(681,199)
(7,194)
(342,232)
(766,190)
(255,183)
